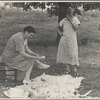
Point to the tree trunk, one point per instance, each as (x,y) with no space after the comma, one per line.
(62,14)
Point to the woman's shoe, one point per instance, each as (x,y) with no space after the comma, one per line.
(74,74)
(73,71)
(43,66)
(26,82)
(67,70)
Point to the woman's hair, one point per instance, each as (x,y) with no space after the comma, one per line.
(73,11)
(77,11)
(29,29)
(69,10)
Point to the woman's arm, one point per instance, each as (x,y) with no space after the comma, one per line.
(25,55)
(60,30)
(21,49)
(60,27)
(30,52)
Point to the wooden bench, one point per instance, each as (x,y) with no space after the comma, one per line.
(5,70)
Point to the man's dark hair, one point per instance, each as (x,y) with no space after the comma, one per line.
(29,29)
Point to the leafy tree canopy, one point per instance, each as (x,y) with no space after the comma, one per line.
(53,7)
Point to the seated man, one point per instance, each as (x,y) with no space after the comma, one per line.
(18,55)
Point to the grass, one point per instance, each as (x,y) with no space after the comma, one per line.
(13,21)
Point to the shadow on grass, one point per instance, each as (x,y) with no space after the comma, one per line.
(55,70)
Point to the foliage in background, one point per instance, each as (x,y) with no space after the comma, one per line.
(57,8)
(53,7)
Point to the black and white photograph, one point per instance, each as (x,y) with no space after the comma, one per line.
(49,50)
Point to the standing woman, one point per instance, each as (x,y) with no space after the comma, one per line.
(68,47)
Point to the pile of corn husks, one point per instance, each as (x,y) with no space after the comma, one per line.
(47,86)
